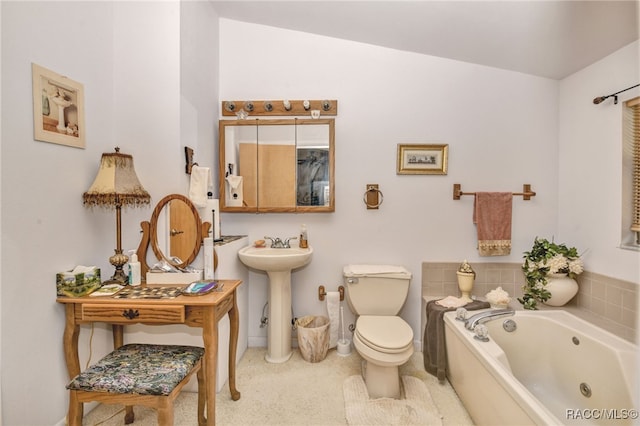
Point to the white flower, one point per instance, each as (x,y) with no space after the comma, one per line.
(576,266)
(539,285)
(557,263)
(529,266)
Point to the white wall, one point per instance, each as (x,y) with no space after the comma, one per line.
(127,55)
(45,228)
(1,115)
(198,81)
(590,181)
(501,128)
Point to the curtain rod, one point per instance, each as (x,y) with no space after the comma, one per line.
(599,99)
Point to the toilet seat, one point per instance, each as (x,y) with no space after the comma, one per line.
(385,334)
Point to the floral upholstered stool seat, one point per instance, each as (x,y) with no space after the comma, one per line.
(139,374)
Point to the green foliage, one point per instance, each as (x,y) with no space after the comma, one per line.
(545,258)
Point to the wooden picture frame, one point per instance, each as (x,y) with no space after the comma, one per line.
(422,159)
(58,108)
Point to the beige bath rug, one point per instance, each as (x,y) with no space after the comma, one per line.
(415,408)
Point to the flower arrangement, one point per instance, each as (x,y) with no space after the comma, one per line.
(465,268)
(466,277)
(543,259)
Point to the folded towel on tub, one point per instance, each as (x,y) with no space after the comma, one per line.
(492,216)
(433,343)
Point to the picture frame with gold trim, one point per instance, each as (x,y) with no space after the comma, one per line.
(422,159)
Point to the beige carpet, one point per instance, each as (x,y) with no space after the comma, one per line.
(289,394)
(415,407)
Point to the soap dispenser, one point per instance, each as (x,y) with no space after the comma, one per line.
(134,269)
(304,243)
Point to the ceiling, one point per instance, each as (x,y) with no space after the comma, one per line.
(550,39)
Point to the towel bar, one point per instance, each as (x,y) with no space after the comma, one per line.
(526,193)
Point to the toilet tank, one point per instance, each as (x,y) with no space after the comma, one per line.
(376,289)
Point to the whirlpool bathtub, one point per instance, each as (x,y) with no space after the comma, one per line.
(554,368)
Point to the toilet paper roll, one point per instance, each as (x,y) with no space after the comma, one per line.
(333,309)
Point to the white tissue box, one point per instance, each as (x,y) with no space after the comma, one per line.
(173,277)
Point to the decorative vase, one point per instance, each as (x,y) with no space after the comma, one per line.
(465,284)
(562,289)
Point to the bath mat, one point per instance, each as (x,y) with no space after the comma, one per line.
(415,408)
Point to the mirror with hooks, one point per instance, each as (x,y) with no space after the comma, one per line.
(277,165)
(175,233)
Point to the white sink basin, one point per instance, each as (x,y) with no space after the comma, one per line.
(275,259)
(278,263)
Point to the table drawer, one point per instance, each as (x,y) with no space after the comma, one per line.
(133,313)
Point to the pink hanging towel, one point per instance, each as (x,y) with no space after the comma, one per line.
(492,216)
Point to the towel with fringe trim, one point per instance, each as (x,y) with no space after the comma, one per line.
(492,216)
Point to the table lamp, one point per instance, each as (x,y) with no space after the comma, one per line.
(116,185)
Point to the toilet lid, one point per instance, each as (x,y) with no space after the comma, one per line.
(389,334)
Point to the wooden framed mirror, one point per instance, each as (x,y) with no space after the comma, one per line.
(273,166)
(174,232)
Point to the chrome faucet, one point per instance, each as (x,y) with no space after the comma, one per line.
(485,316)
(278,243)
(286,241)
(275,242)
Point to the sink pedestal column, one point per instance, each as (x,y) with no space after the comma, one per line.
(279,327)
(61,127)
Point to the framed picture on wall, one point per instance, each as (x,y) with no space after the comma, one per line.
(422,159)
(58,108)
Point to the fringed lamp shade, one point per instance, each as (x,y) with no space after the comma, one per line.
(116,185)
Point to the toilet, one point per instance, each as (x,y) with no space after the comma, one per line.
(376,294)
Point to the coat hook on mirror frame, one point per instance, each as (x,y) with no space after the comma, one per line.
(188,154)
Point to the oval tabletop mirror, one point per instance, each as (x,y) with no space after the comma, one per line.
(176,230)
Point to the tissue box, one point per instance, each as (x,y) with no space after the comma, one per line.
(77,284)
(173,277)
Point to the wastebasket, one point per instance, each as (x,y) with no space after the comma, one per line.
(313,337)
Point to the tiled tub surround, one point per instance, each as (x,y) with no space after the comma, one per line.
(609,303)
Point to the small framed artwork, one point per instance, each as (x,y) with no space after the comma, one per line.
(418,159)
(58,108)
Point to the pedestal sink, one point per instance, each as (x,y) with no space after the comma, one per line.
(278,263)
(61,103)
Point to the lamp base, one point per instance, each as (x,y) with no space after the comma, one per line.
(118,260)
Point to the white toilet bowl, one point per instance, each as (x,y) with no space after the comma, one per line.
(376,294)
(385,342)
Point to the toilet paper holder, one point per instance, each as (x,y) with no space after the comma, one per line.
(322,292)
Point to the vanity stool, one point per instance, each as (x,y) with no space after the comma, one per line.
(139,374)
